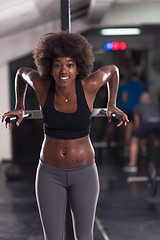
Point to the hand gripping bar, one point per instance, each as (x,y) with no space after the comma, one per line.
(36,114)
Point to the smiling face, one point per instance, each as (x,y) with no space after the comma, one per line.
(64,71)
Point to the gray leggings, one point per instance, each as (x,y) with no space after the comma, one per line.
(54,186)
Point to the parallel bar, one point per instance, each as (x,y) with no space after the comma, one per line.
(36,114)
(97,112)
(65,15)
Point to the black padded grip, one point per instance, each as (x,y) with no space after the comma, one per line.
(115,117)
(15,118)
(11,119)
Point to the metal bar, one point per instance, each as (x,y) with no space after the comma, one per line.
(65,15)
(36,114)
(103,144)
(138,179)
(141,179)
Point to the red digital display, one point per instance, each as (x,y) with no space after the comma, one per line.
(115,46)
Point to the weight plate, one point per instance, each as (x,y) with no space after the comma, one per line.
(152,174)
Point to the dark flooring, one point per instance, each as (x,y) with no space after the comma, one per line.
(125,211)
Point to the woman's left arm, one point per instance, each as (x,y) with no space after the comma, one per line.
(110,75)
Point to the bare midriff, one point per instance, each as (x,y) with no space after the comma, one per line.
(67,154)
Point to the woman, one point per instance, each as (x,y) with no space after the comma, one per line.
(66,90)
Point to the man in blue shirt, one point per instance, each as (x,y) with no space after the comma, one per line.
(131,95)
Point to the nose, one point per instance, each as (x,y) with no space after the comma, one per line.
(63,70)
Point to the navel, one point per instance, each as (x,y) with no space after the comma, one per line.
(64,152)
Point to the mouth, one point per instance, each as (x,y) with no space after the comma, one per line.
(64,78)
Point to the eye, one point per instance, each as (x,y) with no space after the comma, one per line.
(56,65)
(70,65)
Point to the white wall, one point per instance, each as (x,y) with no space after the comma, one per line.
(14,47)
(5,135)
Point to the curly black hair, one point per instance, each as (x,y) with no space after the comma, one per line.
(63,44)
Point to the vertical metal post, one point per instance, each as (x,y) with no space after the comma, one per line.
(66,25)
(65,15)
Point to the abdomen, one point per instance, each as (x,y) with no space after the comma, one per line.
(67,154)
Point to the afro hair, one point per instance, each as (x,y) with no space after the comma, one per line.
(63,44)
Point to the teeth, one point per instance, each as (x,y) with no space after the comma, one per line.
(64,78)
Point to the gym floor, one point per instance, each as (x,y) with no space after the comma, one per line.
(125,211)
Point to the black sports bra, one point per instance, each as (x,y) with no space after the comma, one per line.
(62,125)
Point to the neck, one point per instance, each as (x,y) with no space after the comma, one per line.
(66,93)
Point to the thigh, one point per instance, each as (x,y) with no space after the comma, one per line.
(83,195)
(51,199)
(143,131)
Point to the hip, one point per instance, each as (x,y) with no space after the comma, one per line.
(67,177)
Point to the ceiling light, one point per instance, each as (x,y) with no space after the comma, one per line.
(120,31)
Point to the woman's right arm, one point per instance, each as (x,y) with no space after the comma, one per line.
(24,77)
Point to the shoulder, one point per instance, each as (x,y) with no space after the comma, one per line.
(105,71)
(98,78)
(30,75)
(27,71)
(33,78)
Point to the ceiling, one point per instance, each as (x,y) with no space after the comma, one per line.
(20,15)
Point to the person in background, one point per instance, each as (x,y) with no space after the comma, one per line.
(146,120)
(66,89)
(110,127)
(131,95)
(121,89)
